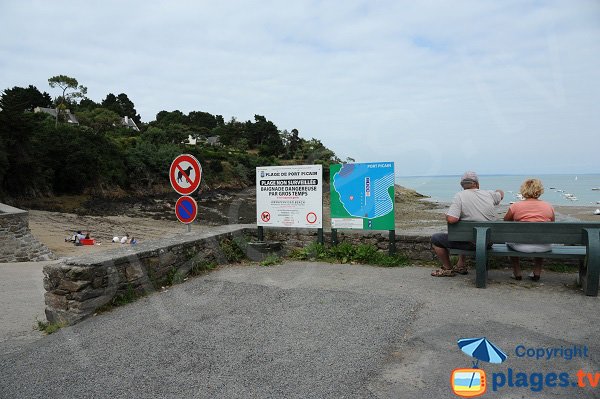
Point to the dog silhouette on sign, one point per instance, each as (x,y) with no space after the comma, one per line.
(187,172)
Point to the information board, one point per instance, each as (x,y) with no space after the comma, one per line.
(362,196)
(289,196)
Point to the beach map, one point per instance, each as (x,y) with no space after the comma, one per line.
(362,196)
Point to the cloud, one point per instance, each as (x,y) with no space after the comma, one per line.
(437,87)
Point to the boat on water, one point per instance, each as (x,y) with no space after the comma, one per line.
(597,212)
(596,189)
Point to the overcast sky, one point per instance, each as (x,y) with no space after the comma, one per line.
(437,87)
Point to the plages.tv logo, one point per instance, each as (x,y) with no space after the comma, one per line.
(471,382)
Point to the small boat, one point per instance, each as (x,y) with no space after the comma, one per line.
(596,189)
(597,212)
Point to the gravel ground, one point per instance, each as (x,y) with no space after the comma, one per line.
(213,338)
(310,330)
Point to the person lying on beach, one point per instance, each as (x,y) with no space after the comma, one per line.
(531,209)
(78,237)
(470,204)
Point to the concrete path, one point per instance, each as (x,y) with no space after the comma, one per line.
(22,299)
(313,330)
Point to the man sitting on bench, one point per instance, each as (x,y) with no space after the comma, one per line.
(470,204)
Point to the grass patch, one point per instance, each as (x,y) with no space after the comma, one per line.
(561,267)
(233,250)
(348,253)
(124,298)
(202,267)
(271,260)
(174,276)
(49,328)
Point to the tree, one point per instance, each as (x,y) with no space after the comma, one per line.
(100,120)
(66,83)
(122,105)
(19,99)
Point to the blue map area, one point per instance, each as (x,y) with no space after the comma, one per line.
(363,189)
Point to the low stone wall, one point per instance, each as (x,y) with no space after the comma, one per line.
(77,287)
(17,244)
(413,247)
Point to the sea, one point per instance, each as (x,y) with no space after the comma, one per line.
(556,187)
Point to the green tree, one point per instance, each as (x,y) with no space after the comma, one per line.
(122,105)
(19,99)
(100,120)
(66,83)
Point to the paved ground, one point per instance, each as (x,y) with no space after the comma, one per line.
(311,330)
(22,299)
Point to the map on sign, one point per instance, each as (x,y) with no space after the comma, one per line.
(362,196)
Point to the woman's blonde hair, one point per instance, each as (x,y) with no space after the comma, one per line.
(532,188)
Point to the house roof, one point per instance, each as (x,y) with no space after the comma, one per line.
(52,111)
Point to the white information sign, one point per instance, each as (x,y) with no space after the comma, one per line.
(289,196)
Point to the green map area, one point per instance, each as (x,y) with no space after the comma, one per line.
(363,191)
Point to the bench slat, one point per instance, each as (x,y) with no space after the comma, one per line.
(526,233)
(504,250)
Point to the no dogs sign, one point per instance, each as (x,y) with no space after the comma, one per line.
(185,174)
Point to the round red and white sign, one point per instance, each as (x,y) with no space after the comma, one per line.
(185,174)
(311,217)
(265,216)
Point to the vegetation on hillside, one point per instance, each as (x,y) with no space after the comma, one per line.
(43,155)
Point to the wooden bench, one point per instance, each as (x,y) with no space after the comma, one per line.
(581,240)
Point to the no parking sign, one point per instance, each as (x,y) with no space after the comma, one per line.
(186,209)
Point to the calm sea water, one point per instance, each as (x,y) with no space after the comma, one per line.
(443,188)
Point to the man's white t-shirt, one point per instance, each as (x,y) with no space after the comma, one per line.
(475,205)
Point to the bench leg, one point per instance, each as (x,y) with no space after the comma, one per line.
(482,235)
(592,277)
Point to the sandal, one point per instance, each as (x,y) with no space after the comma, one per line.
(518,278)
(461,270)
(443,273)
(534,278)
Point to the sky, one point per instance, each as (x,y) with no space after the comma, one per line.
(438,87)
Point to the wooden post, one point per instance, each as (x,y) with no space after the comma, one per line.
(392,247)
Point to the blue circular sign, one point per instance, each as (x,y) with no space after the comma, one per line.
(186,209)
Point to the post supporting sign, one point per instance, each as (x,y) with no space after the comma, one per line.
(185,175)
(289,196)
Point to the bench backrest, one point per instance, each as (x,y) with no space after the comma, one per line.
(524,232)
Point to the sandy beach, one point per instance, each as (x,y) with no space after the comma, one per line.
(414,216)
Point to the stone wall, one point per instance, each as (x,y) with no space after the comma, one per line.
(77,287)
(17,244)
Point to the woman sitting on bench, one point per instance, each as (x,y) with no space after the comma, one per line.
(531,209)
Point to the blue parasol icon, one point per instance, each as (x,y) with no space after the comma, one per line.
(481,349)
